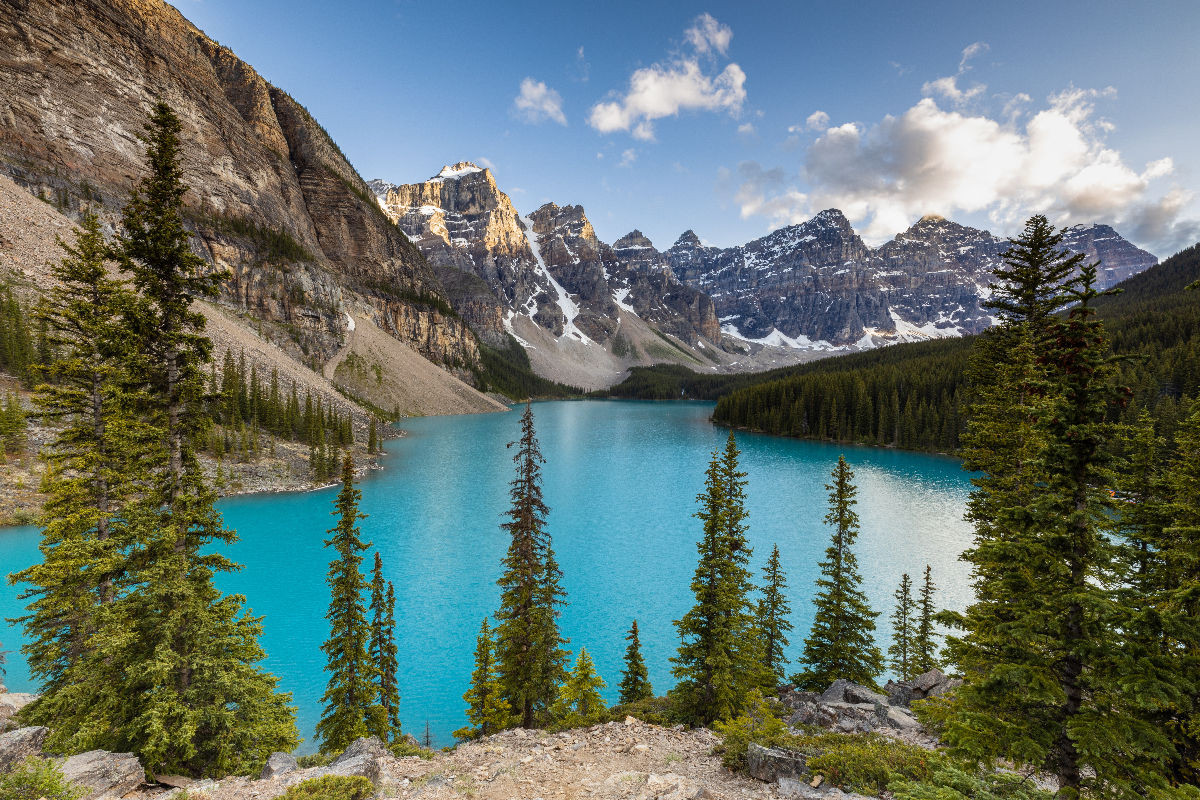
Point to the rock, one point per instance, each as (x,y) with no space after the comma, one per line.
(103,774)
(836,693)
(899,694)
(924,682)
(11,703)
(18,745)
(856,693)
(947,686)
(771,763)
(901,719)
(363,758)
(278,764)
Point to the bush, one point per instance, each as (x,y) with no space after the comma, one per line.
(867,762)
(404,747)
(758,724)
(651,710)
(957,782)
(331,787)
(314,760)
(37,779)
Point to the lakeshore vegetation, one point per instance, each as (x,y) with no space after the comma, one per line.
(1078,654)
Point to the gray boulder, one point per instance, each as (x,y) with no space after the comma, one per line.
(278,764)
(899,694)
(856,693)
(926,681)
(11,703)
(772,763)
(364,757)
(836,693)
(18,745)
(104,775)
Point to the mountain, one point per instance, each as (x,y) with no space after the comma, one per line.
(272,199)
(818,286)
(585,311)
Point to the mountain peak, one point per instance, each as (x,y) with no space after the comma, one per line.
(687,239)
(456,171)
(928,218)
(635,239)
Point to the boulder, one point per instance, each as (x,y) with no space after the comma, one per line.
(836,693)
(899,694)
(856,693)
(901,719)
(278,764)
(772,763)
(945,687)
(926,681)
(18,745)
(103,774)
(11,703)
(364,757)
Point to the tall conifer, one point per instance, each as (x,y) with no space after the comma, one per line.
(901,652)
(579,701)
(377,651)
(529,650)
(719,660)
(925,646)
(635,680)
(487,709)
(352,697)
(771,615)
(841,643)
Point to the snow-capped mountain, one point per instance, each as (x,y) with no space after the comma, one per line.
(817,286)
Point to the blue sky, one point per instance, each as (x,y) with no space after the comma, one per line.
(736,118)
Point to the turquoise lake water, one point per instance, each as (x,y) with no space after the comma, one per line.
(621,480)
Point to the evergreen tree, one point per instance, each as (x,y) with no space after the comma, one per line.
(924,642)
(1041,645)
(635,680)
(719,660)
(529,651)
(772,619)
(579,702)
(352,697)
(487,709)
(389,682)
(902,651)
(87,400)
(377,652)
(841,643)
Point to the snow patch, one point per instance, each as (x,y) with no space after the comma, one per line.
(569,308)
(777,338)
(349,321)
(619,297)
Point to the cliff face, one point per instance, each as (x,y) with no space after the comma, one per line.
(816,285)
(272,199)
(547,270)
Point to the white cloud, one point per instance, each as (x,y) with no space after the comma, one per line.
(707,34)
(746,129)
(948,86)
(1054,160)
(817,121)
(666,89)
(628,157)
(538,102)
(486,162)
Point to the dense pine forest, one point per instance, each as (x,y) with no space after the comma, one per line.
(911,395)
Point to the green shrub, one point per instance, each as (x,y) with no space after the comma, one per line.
(866,762)
(949,781)
(331,787)
(314,760)
(404,747)
(758,724)
(651,710)
(37,779)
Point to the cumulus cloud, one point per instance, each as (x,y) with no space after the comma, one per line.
(537,102)
(1052,160)
(817,121)
(746,129)
(665,89)
(948,87)
(706,34)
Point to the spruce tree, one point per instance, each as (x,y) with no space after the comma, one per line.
(771,615)
(89,401)
(487,709)
(719,660)
(389,680)
(529,651)
(925,646)
(902,651)
(1040,648)
(579,702)
(351,698)
(377,653)
(635,680)
(173,674)
(841,642)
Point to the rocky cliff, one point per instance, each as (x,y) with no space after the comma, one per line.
(585,310)
(817,286)
(273,201)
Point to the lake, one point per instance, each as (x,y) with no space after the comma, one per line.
(621,479)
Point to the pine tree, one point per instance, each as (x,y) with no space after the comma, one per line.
(1041,645)
(579,702)
(924,642)
(88,400)
(772,620)
(902,651)
(635,680)
(377,653)
(841,643)
(389,681)
(529,651)
(351,698)
(487,709)
(173,674)
(719,660)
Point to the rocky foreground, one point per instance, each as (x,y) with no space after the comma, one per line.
(625,760)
